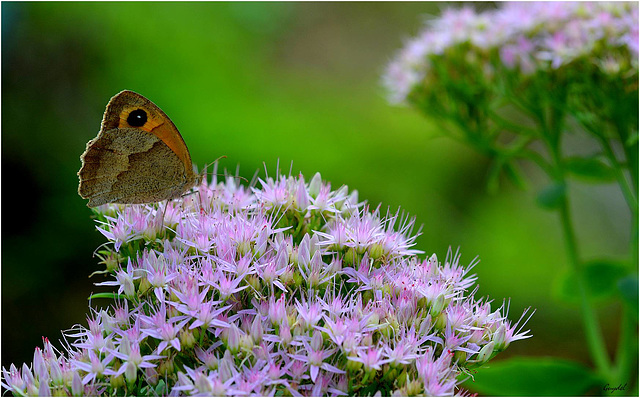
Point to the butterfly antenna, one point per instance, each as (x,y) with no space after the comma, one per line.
(204,173)
(214,173)
(238,177)
(214,162)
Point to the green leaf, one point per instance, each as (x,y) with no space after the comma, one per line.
(602,277)
(632,140)
(591,168)
(552,196)
(628,289)
(533,377)
(107,295)
(161,388)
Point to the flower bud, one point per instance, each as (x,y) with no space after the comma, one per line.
(316,340)
(437,306)
(285,334)
(166,367)
(144,285)
(389,374)
(233,338)
(301,195)
(353,366)
(414,388)
(486,353)
(77,388)
(243,247)
(56,373)
(151,376)
(441,321)
(187,339)
(111,261)
(246,343)
(460,357)
(256,329)
(375,251)
(367,340)
(117,381)
(253,281)
(314,185)
(203,384)
(130,373)
(351,257)
(500,338)
(44,390)
(226,366)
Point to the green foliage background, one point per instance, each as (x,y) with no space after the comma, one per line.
(258,82)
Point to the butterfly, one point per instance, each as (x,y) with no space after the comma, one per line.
(138,156)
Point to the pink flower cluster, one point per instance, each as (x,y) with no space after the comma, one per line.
(287,289)
(529,36)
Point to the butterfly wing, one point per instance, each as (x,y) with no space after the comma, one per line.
(135,160)
(130,166)
(158,123)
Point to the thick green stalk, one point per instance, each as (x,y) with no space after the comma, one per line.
(552,121)
(627,351)
(629,195)
(595,340)
(625,186)
(632,202)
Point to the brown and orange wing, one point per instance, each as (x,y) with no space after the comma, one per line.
(118,115)
(137,157)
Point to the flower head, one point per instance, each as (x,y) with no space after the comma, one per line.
(278,290)
(528,36)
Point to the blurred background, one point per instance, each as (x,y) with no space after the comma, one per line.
(258,83)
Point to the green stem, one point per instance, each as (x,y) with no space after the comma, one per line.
(625,186)
(593,333)
(628,189)
(631,199)
(624,131)
(539,160)
(627,351)
(508,125)
(551,121)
